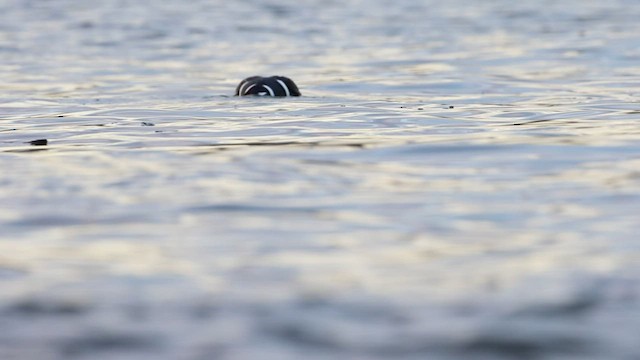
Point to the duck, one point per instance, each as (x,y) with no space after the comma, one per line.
(277,86)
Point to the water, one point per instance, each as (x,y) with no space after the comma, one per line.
(459,180)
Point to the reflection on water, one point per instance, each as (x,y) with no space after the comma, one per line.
(459,181)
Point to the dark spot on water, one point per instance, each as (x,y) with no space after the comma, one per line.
(103,342)
(48,307)
(307,335)
(52,220)
(151,35)
(324,338)
(512,346)
(278,10)
(581,305)
(26,151)
(420,108)
(60,115)
(248,208)
(306,144)
(86,25)
(532,122)
(39,142)
(147,124)
(450,106)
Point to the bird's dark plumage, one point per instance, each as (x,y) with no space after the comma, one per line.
(267,86)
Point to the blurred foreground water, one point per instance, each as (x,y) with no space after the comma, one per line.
(460,180)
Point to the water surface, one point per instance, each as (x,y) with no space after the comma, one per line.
(459,180)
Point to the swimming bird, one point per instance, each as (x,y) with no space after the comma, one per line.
(267,86)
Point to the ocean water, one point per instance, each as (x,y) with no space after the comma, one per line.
(459,180)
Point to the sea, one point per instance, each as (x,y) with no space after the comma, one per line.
(459,180)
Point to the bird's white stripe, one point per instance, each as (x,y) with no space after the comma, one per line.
(247,89)
(269,89)
(284,86)
(241,90)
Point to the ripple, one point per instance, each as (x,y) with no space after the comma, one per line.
(458,181)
